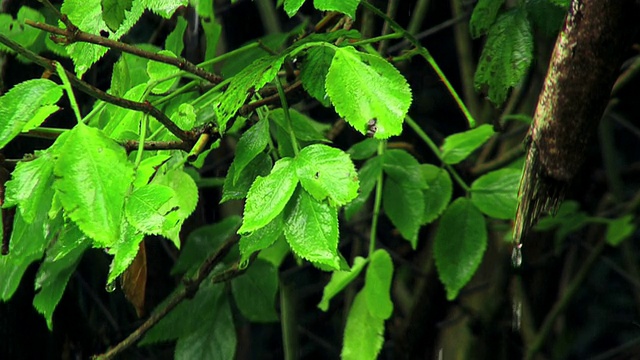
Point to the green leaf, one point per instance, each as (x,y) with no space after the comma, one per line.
(327,172)
(26,106)
(363,149)
(368,176)
(147,168)
(30,184)
(124,251)
(349,85)
(255,292)
(340,280)
(17,30)
(243,85)
(174,42)
(260,166)
(347,7)
(363,333)
(93,178)
(261,238)
(158,72)
(547,15)
(276,253)
(305,129)
(53,275)
(460,242)
(438,194)
(619,229)
(268,196)
(251,143)
(143,208)
(313,72)
(113,12)
(458,147)
(483,16)
(506,56)
(403,168)
(203,242)
(311,229)
(404,205)
(292,6)
(122,121)
(496,193)
(181,205)
(185,117)
(377,288)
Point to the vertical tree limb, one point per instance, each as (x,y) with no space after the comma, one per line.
(584,65)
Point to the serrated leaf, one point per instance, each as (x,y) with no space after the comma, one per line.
(261,238)
(53,275)
(181,205)
(243,84)
(483,16)
(251,143)
(304,128)
(259,166)
(368,176)
(403,168)
(619,229)
(363,149)
(348,84)
(202,242)
(93,178)
(29,102)
(339,280)
(496,193)
(460,242)
(268,196)
(185,117)
(159,72)
(113,12)
(311,229)
(458,147)
(404,206)
(377,288)
(438,194)
(144,208)
(255,292)
(506,56)
(363,333)
(30,184)
(347,7)
(292,6)
(124,251)
(327,172)
(313,72)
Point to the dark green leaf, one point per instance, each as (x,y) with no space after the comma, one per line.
(174,42)
(377,288)
(404,169)
(268,196)
(496,193)
(327,172)
(547,15)
(483,16)
(404,206)
(311,229)
(255,292)
(368,176)
(313,72)
(252,143)
(438,194)
(460,242)
(506,56)
(364,149)
(458,147)
(363,333)
(261,238)
(259,166)
(304,128)
(339,280)
(348,84)
(620,229)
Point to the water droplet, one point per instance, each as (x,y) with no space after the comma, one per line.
(516,315)
(243,264)
(110,287)
(516,256)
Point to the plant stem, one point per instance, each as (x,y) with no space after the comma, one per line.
(287,320)
(427,56)
(143,135)
(417,16)
(377,39)
(392,9)
(377,203)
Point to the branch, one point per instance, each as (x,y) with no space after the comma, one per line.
(90,90)
(190,288)
(78,35)
(273,99)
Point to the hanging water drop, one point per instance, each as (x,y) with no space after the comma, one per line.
(516,314)
(516,256)
(110,287)
(243,264)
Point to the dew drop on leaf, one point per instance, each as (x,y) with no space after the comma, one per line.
(243,264)
(110,287)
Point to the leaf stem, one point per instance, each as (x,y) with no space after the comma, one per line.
(377,203)
(287,117)
(427,56)
(67,87)
(376,39)
(143,134)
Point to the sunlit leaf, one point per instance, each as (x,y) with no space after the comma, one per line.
(363,333)
(377,288)
(159,72)
(339,280)
(251,143)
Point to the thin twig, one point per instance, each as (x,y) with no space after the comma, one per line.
(81,36)
(273,99)
(86,88)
